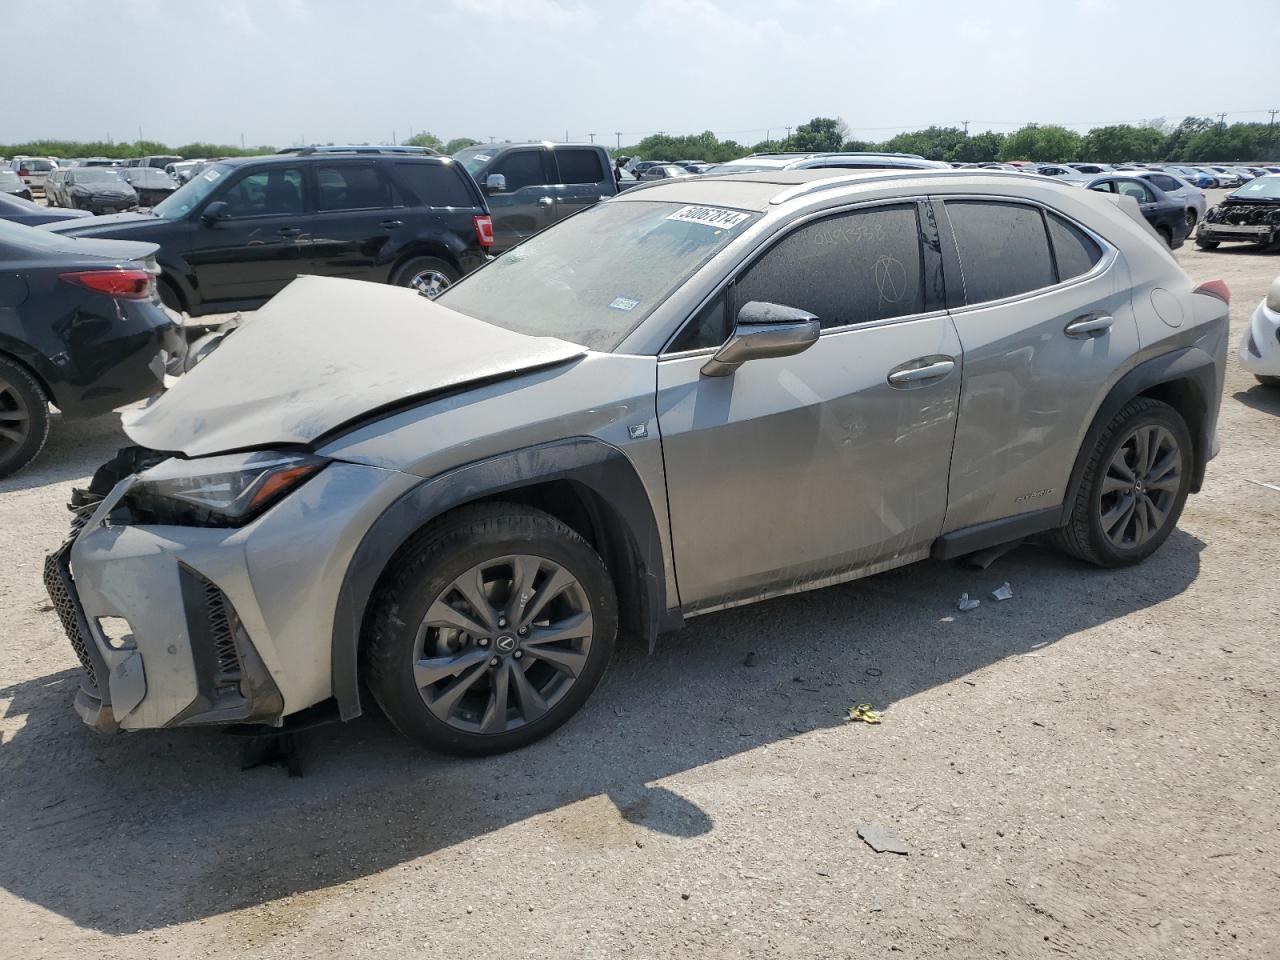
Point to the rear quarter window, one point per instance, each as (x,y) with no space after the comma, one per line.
(1076,252)
(437,184)
(1004,249)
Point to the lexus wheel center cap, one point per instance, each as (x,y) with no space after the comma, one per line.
(505,643)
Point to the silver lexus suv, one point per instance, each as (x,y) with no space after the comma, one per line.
(699,394)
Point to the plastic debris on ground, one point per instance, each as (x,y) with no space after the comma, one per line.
(882,839)
(967,604)
(863,712)
(1003,592)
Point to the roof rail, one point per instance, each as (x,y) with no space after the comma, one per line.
(875,176)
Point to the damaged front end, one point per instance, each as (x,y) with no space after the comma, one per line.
(231,683)
(1245,221)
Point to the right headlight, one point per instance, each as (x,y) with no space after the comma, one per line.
(224,491)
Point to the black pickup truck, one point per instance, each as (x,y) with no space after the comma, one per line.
(530,186)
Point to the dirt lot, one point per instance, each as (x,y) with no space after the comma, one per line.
(1087,770)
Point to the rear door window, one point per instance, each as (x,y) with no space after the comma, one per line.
(1164,182)
(1004,248)
(579,166)
(1135,189)
(437,184)
(352,186)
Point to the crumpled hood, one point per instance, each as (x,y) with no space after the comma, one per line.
(325,352)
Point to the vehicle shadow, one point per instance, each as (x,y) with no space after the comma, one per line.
(72,444)
(136,832)
(1264,399)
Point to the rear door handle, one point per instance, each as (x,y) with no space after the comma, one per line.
(290,232)
(545,201)
(1088,327)
(905,376)
(391,224)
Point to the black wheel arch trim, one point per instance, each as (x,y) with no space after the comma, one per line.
(591,463)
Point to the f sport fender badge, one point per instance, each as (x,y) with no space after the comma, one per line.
(1033,495)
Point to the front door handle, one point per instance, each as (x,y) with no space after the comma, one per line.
(545,201)
(1088,327)
(290,232)
(905,376)
(391,224)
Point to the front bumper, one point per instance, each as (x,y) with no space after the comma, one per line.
(1259,351)
(1255,232)
(223,625)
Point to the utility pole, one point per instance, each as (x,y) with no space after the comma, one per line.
(618,133)
(592,136)
(966,127)
(491,139)
(566,136)
(139,133)
(241,141)
(394,141)
(788,133)
(1273,118)
(1222,120)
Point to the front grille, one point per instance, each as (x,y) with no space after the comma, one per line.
(62,594)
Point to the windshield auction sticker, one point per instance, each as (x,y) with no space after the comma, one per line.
(710,217)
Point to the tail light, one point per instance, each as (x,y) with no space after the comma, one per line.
(125,284)
(1215,288)
(22,172)
(484,230)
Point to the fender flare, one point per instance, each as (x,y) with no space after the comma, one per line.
(1188,363)
(594,464)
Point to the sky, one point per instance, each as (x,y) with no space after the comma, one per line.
(282,72)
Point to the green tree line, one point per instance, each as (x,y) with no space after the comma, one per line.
(1193,139)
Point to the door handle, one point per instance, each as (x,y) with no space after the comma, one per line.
(930,371)
(545,201)
(391,224)
(1088,327)
(290,232)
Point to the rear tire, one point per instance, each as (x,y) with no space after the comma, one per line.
(1207,244)
(24,418)
(1192,220)
(492,630)
(429,275)
(1167,235)
(1273,382)
(1134,487)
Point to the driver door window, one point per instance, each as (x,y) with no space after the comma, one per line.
(267,193)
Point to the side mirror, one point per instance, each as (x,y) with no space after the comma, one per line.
(495,183)
(764,330)
(214,212)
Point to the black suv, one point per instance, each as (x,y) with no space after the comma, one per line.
(241,229)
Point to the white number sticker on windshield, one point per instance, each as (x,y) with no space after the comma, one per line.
(710,217)
(212,175)
(624,303)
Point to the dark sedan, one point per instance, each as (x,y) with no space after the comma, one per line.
(29,213)
(150,183)
(12,185)
(101,190)
(665,171)
(1167,215)
(81,327)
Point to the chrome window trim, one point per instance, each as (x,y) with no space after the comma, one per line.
(1110,253)
(785,229)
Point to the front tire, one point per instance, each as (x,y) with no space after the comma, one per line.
(1134,487)
(1207,244)
(493,629)
(24,418)
(430,276)
(1192,219)
(1273,382)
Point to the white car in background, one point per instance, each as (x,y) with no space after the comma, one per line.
(1260,348)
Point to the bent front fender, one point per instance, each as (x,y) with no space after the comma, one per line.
(599,466)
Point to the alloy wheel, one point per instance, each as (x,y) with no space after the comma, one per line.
(502,644)
(1140,486)
(430,283)
(15,419)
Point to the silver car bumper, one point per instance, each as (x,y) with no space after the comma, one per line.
(190,625)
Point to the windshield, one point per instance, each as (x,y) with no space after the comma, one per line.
(473,158)
(98,175)
(594,277)
(192,193)
(1263,188)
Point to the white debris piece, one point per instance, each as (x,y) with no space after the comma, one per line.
(1003,592)
(966,604)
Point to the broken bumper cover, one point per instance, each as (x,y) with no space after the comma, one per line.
(178,626)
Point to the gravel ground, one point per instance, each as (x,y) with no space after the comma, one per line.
(1088,769)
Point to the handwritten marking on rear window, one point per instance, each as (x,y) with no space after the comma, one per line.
(891,279)
(710,217)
